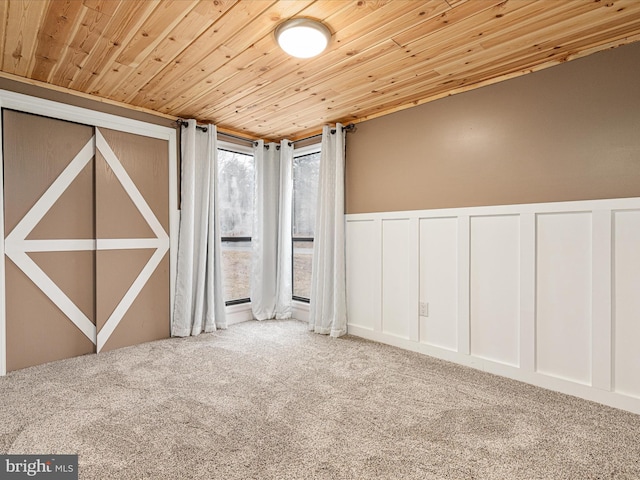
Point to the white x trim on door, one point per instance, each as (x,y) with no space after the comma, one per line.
(17,245)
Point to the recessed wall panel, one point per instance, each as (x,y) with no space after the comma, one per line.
(495,288)
(438,282)
(362,263)
(563,303)
(626,301)
(395,277)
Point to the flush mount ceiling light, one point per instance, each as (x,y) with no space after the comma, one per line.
(302,37)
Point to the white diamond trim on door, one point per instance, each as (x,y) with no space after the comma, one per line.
(161,242)
(17,246)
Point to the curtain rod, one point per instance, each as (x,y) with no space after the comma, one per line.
(185,124)
(347,128)
(236,137)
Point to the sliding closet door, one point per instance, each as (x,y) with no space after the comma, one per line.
(86,239)
(132,221)
(49,246)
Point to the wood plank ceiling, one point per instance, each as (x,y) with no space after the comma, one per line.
(217,60)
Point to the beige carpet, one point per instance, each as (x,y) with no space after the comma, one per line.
(271,401)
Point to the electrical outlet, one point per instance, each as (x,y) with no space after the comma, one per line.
(424,309)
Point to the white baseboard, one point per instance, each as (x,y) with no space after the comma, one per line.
(612,399)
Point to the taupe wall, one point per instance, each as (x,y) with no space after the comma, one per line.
(570,132)
(56,96)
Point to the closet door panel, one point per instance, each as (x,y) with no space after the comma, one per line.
(145,161)
(79,287)
(37,330)
(132,221)
(147,318)
(36,151)
(48,192)
(69,217)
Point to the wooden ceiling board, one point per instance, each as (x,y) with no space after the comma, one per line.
(218,61)
(202,58)
(369,104)
(358,76)
(79,71)
(77,67)
(192,25)
(469,11)
(232,76)
(301,78)
(57,25)
(20,36)
(156,27)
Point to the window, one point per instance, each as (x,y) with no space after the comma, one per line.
(235,196)
(306,169)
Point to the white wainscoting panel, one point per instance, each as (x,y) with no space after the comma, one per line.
(626,300)
(548,293)
(563,286)
(439,282)
(396,278)
(495,288)
(363,273)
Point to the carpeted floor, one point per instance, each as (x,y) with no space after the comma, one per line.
(271,401)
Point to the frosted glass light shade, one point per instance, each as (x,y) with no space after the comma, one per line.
(302,37)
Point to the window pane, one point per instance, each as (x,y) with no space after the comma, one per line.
(235,194)
(302,260)
(236,264)
(235,197)
(306,169)
(305,191)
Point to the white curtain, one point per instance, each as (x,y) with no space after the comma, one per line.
(284,278)
(328,309)
(199,302)
(271,237)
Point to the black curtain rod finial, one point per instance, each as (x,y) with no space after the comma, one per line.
(185,124)
(351,127)
(268,145)
(347,128)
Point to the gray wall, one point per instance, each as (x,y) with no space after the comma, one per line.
(570,132)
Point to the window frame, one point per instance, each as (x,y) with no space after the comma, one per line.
(244,150)
(300,152)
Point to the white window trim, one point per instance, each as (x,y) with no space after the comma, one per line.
(235,147)
(239,312)
(301,309)
(307,150)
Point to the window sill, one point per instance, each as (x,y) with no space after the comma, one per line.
(300,311)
